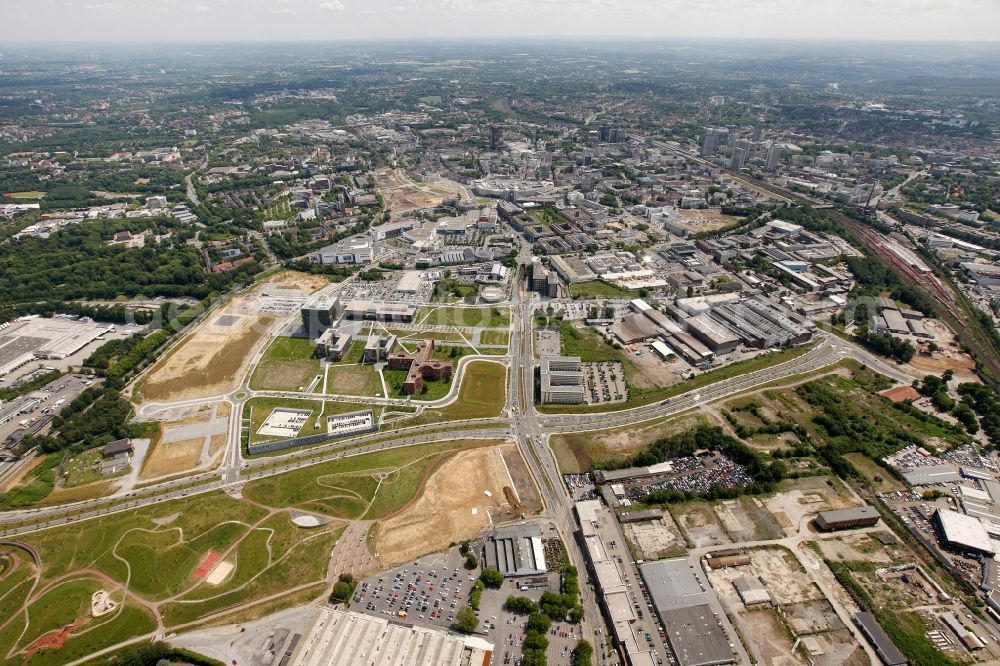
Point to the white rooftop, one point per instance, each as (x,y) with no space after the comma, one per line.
(964,531)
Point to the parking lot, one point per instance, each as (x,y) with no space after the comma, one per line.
(606,383)
(428,593)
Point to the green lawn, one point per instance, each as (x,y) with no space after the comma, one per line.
(32,194)
(159,564)
(486,317)
(287,365)
(497,338)
(353,355)
(449,336)
(360,380)
(599,289)
(586,343)
(354,477)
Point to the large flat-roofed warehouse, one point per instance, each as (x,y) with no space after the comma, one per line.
(885,648)
(320,312)
(34,337)
(713,333)
(859,516)
(762,324)
(409,283)
(344,638)
(963,532)
(928,475)
(561,380)
(380,311)
(692,626)
(516,551)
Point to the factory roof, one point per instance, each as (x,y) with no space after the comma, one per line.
(964,531)
(339,638)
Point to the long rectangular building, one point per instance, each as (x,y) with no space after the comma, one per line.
(884,647)
(860,516)
(343,638)
(561,380)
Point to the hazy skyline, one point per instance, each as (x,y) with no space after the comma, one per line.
(230,20)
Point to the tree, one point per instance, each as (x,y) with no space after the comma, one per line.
(582,654)
(343,589)
(466,620)
(520,605)
(471,562)
(491,578)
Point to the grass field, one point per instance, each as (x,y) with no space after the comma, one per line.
(145,544)
(599,289)
(353,355)
(287,365)
(497,338)
(360,380)
(441,336)
(576,452)
(386,480)
(495,317)
(431,99)
(31,194)
(158,548)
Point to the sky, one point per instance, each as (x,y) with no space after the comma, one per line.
(284,20)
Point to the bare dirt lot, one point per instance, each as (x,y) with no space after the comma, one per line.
(854,547)
(783,576)
(948,357)
(656,539)
(172,458)
(452,507)
(706,220)
(701,525)
(213,358)
(210,361)
(401,196)
(803,498)
(527,492)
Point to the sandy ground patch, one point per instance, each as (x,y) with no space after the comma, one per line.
(401,196)
(452,507)
(218,441)
(656,539)
(699,522)
(172,457)
(524,485)
(803,499)
(706,220)
(211,360)
(949,357)
(23,472)
(856,547)
(782,576)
